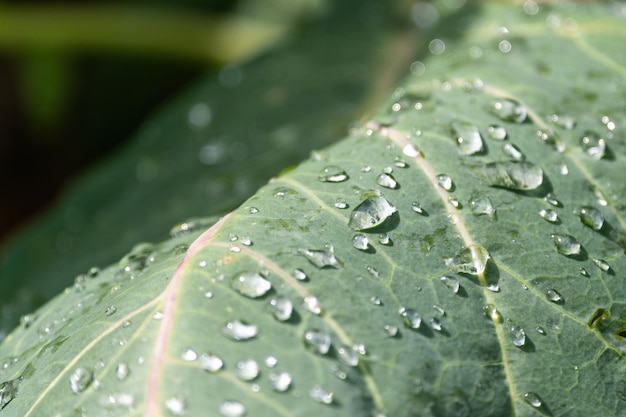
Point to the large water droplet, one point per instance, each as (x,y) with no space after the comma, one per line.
(467,137)
(445,182)
(514,175)
(451,282)
(281,307)
(322,258)
(566,244)
(509,110)
(590,217)
(348,355)
(532,399)
(481,204)
(210,362)
(250,284)
(247,370)
(554,296)
(387,180)
(321,395)
(470,260)
(317,341)
(280,381)
(372,212)
(232,409)
(518,336)
(239,330)
(361,242)
(332,173)
(410,317)
(496,132)
(80,379)
(593,145)
(549,215)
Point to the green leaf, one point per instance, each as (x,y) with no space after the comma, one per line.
(487,286)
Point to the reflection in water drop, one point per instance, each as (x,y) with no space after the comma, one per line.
(451,282)
(518,336)
(332,173)
(317,341)
(411,318)
(372,212)
(532,399)
(250,284)
(566,244)
(514,175)
(80,379)
(467,137)
(445,182)
(470,260)
(590,217)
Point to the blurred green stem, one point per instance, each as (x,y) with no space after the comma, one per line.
(157,31)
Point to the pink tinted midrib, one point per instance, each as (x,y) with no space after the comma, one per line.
(170,294)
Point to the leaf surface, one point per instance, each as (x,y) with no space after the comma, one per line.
(528,321)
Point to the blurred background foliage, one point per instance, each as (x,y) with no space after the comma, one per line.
(119,119)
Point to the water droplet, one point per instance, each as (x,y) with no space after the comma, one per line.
(384,239)
(540,330)
(411,151)
(513,151)
(518,335)
(338,372)
(492,312)
(340,203)
(210,362)
(348,355)
(439,310)
(158,315)
(514,175)
(253,210)
(552,139)
(451,282)
(493,287)
(602,264)
(239,330)
(410,317)
(566,244)
(399,162)
(593,145)
(299,274)
(280,381)
(322,258)
(332,173)
(234,248)
(509,110)
(376,301)
(373,271)
(317,341)
(496,132)
(391,330)
(554,295)
(366,168)
(564,121)
(312,304)
(387,170)
(321,395)
(386,180)
(247,370)
(551,199)
(481,204)
(445,182)
(371,212)
(435,324)
(282,192)
(467,137)
(176,406)
(110,310)
(532,399)
(250,284)
(361,242)
(281,307)
(590,217)
(26,321)
(232,409)
(189,355)
(8,391)
(80,379)
(582,271)
(245,241)
(455,203)
(564,169)
(549,215)
(417,207)
(470,260)
(270,361)
(122,371)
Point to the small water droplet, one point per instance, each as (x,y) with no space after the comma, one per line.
(361,242)
(247,370)
(532,399)
(513,151)
(239,330)
(282,192)
(593,145)
(312,304)
(496,132)
(540,330)
(321,395)
(455,203)
(564,121)
(386,180)
(590,217)
(270,361)
(176,405)
(493,287)
(387,170)
(467,137)
(280,381)
(518,335)
(554,295)
(514,175)
(317,341)
(566,244)
(469,260)
(81,379)
(492,312)
(602,264)
(348,355)
(208,295)
(376,301)
(253,210)
(210,362)
(122,371)
(281,307)
(509,110)
(582,271)
(322,258)
(439,310)
(332,173)
(250,284)
(481,204)
(371,212)
(410,317)
(384,239)
(437,46)
(435,324)
(299,274)
(189,355)
(564,169)
(110,310)
(391,330)
(549,215)
(445,182)
(551,199)
(245,240)
(340,203)
(417,207)
(158,315)
(552,139)
(373,271)
(411,151)
(451,282)
(232,409)
(366,168)
(399,162)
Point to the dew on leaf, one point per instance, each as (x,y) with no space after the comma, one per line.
(8,391)
(122,371)
(564,169)
(340,203)
(445,182)
(391,330)
(540,330)
(399,162)
(551,139)
(590,217)
(247,370)
(549,215)
(439,310)
(410,317)
(451,282)
(410,150)
(564,121)
(467,137)
(250,284)
(234,248)
(384,239)
(514,175)
(600,197)
(176,405)
(454,202)
(321,395)
(376,301)
(417,207)
(312,304)
(338,372)
(602,264)
(492,312)
(299,274)
(283,192)
(210,362)
(387,170)
(582,271)
(551,199)
(232,409)
(239,330)
(281,308)
(348,355)
(532,399)
(270,361)
(518,336)
(361,242)
(253,210)
(245,240)
(317,341)
(513,151)
(371,212)
(566,244)
(435,323)
(386,180)
(80,379)
(593,145)
(469,260)
(496,132)
(332,173)
(493,287)
(373,271)
(321,258)
(189,355)
(366,168)
(280,381)
(481,205)
(554,295)
(509,110)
